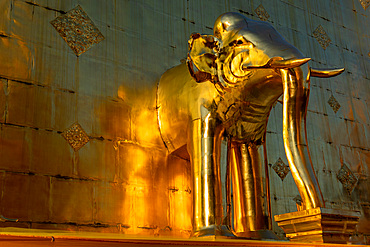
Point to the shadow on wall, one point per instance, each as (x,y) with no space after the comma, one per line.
(144,190)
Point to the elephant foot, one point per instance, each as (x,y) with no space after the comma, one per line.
(214,231)
(257,235)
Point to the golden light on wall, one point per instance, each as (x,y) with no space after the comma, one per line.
(58,69)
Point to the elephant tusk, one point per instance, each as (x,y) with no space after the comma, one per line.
(289,63)
(325,73)
(280,63)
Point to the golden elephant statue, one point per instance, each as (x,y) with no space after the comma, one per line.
(226,91)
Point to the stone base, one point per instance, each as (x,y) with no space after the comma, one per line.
(319,225)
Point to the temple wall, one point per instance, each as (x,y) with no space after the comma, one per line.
(122,180)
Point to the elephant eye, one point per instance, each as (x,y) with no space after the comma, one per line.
(232,43)
(240,41)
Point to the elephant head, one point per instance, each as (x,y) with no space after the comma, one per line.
(241,45)
(247,52)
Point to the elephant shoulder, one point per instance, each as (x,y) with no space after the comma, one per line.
(178,74)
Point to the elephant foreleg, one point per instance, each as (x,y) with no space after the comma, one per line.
(245,164)
(207,199)
(296,92)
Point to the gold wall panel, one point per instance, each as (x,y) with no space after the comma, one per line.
(3,92)
(114,181)
(29,105)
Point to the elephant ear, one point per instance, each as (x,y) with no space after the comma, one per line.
(202,56)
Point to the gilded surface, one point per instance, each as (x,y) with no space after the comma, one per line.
(110,90)
(319,225)
(237,75)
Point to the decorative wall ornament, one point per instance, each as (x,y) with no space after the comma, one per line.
(334,104)
(321,36)
(365,3)
(75,136)
(78,30)
(262,13)
(347,178)
(281,168)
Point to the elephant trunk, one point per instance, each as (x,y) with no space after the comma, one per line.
(296,85)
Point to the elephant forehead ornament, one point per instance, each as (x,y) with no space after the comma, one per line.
(226,91)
